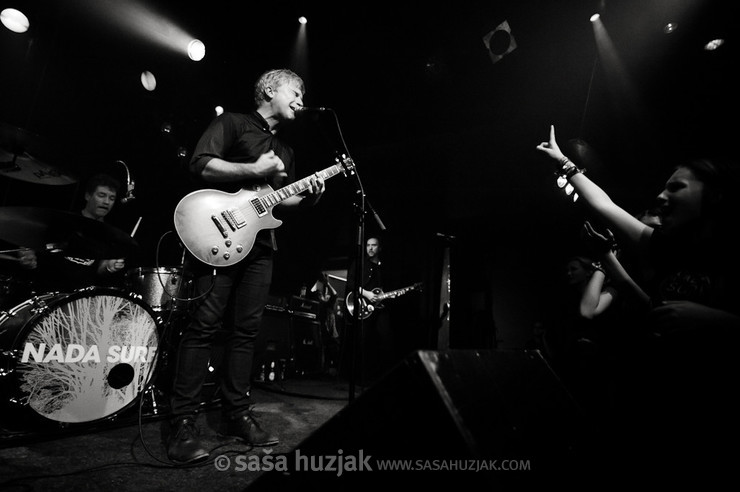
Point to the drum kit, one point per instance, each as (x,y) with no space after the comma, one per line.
(80,357)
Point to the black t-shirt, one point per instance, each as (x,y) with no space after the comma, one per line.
(60,273)
(690,265)
(372,274)
(238,137)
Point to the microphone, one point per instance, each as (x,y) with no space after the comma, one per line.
(130,184)
(129,191)
(304,109)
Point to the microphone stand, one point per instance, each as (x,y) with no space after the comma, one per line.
(359,257)
(356,335)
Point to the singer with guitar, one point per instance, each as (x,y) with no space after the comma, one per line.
(237,153)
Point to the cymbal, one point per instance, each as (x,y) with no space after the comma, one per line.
(27,168)
(22,155)
(72,234)
(17,140)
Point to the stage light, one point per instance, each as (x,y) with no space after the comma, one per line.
(219,110)
(714,44)
(670,27)
(595,17)
(196,50)
(302,20)
(15,20)
(148,80)
(499,42)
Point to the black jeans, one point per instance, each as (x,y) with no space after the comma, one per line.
(234,304)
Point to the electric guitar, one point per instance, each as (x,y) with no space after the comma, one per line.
(220,228)
(367,308)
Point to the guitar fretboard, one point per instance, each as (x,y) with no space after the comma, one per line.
(396,293)
(277,196)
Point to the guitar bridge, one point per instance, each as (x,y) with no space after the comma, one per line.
(259,207)
(234,218)
(219,226)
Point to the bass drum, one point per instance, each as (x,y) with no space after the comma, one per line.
(79,357)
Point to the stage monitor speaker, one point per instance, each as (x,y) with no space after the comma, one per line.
(442,416)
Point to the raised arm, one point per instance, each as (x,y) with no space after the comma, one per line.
(604,247)
(622,222)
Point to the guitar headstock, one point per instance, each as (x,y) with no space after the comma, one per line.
(347,163)
(418,286)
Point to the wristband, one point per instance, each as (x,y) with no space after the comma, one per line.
(570,171)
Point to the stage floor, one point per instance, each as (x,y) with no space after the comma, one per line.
(127,452)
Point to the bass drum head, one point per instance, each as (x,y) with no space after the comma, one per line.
(84,356)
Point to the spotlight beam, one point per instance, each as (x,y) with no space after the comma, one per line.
(138,20)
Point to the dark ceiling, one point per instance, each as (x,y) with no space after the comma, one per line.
(443,139)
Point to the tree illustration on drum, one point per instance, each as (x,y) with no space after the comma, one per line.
(85,356)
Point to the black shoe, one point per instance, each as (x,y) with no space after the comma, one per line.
(183,445)
(247,429)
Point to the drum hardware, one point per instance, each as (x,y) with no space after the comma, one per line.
(39,305)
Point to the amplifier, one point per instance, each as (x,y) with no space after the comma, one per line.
(289,344)
(304,307)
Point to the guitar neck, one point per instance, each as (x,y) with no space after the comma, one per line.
(395,293)
(278,196)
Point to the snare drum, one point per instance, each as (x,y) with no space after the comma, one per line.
(159,287)
(78,357)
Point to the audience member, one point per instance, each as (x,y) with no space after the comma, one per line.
(674,405)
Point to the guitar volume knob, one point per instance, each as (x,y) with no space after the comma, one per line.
(227,256)
(239,248)
(214,250)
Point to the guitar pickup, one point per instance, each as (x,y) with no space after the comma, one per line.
(259,207)
(220,226)
(234,218)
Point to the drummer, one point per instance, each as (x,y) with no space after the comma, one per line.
(66,273)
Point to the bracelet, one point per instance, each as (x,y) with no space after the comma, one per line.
(568,169)
(564,164)
(571,171)
(596,265)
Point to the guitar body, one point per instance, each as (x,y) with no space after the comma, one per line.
(366,308)
(195,225)
(220,228)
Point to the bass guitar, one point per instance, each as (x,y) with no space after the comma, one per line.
(367,308)
(220,228)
